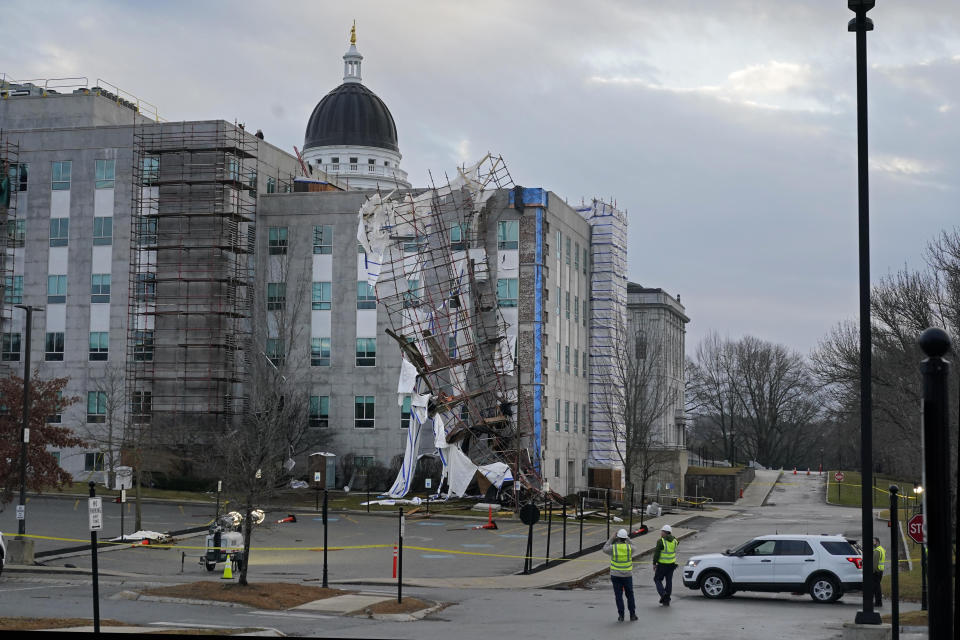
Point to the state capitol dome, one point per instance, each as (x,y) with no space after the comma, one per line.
(351,135)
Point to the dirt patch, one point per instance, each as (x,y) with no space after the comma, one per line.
(202,632)
(909,618)
(36,624)
(266,595)
(409,605)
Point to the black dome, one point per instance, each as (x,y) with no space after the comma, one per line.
(351,115)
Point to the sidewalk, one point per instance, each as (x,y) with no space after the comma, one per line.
(756,493)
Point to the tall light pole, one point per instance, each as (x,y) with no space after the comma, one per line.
(25,428)
(860,25)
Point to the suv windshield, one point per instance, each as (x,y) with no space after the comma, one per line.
(839,548)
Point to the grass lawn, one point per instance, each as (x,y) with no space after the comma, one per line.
(909,618)
(849,490)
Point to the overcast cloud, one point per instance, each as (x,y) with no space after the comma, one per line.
(726,129)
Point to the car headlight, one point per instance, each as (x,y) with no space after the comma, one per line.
(692,563)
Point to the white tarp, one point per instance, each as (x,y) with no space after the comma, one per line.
(504,356)
(408,378)
(401,486)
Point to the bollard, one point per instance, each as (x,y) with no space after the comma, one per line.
(608,514)
(400,560)
(894,563)
(324,516)
(548,506)
(936,454)
(581,522)
(564,546)
(630,529)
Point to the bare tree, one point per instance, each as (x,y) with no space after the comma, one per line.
(108,435)
(273,428)
(638,400)
(710,392)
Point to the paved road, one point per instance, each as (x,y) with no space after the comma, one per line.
(795,505)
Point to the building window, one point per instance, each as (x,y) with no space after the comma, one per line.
(566,306)
(576,362)
(583,467)
(363,462)
(275,351)
(100,287)
(319,352)
(276,296)
(556,467)
(576,309)
(61,176)
(411,297)
(11,347)
(252,181)
(59,232)
(584,364)
(16,233)
(363,412)
(583,410)
(405,413)
(366,352)
(56,289)
(507,292)
(584,303)
(559,300)
(146,230)
(556,417)
(56,418)
(366,295)
(54,347)
(102,231)
(452,345)
(508,234)
(271,185)
(319,412)
(321,296)
(278,241)
(323,239)
(416,245)
(145,287)
(143,346)
(361,250)
(106,173)
(566,359)
(141,406)
(13,289)
(559,246)
(18,175)
(576,256)
(149,170)
(568,249)
(576,412)
(457,241)
(558,355)
(566,415)
(99,345)
(93,462)
(96,406)
(584,264)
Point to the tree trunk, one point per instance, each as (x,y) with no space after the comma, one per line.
(247,534)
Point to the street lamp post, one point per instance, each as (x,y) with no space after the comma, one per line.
(860,25)
(25,428)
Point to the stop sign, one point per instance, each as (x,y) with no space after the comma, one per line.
(915,528)
(838,476)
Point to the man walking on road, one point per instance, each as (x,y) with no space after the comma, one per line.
(620,551)
(665,563)
(879,564)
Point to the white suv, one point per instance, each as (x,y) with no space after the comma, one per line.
(825,566)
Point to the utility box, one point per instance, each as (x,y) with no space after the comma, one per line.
(325,464)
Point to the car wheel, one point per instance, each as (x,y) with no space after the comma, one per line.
(715,585)
(824,589)
(210,565)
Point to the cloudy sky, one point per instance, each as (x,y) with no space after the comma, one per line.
(725,128)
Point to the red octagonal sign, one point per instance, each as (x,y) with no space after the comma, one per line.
(915,528)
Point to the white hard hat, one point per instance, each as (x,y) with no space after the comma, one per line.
(666,528)
(622,534)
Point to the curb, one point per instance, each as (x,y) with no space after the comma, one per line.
(407,617)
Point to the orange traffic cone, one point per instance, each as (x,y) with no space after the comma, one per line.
(808,470)
(290,518)
(490,523)
(794,471)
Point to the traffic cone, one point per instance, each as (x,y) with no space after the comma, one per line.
(227,569)
(490,523)
(808,470)
(794,471)
(290,518)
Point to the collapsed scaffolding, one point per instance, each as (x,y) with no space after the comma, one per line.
(191,282)
(14,177)
(426,255)
(608,303)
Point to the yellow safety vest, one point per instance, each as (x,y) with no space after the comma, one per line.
(669,553)
(622,557)
(883,558)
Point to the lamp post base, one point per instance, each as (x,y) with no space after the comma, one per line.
(867,631)
(864,617)
(19,551)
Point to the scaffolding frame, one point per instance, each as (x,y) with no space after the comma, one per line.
(442,307)
(191,278)
(9,238)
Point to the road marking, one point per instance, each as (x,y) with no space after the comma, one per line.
(433,556)
(477,546)
(75,504)
(351,519)
(288,614)
(180,506)
(23,589)
(329,519)
(431,524)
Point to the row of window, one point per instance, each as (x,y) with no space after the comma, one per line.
(321,297)
(54,345)
(578,410)
(364,412)
(556,467)
(335,160)
(508,237)
(60,232)
(320,351)
(578,262)
(578,306)
(578,358)
(61,174)
(57,289)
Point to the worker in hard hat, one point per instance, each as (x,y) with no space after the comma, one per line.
(620,551)
(665,563)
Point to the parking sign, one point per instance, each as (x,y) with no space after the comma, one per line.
(95,509)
